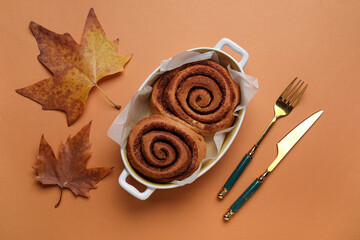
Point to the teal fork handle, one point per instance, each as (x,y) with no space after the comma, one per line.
(235,175)
(243,198)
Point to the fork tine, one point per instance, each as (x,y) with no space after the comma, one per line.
(293,95)
(285,92)
(299,96)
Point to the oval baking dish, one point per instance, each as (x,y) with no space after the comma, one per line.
(152,186)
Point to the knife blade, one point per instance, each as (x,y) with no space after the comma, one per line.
(284,146)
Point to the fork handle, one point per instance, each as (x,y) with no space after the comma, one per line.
(243,163)
(235,175)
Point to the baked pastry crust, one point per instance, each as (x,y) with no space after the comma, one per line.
(164,150)
(201,95)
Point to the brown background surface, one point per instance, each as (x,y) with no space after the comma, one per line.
(313,194)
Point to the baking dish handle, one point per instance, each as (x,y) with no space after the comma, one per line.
(131,189)
(236,48)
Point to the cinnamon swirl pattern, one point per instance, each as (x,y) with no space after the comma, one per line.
(164,150)
(200,95)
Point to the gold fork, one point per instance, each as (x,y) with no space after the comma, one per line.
(283,106)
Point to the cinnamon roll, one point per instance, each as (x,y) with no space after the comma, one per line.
(163,150)
(200,95)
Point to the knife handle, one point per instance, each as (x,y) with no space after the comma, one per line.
(243,198)
(235,175)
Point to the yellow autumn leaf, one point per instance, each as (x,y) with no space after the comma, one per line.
(76,68)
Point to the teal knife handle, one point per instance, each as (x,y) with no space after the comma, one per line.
(237,172)
(246,195)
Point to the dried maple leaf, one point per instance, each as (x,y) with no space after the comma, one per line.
(76,68)
(69,170)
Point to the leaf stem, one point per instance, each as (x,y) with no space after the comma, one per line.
(115,105)
(61,190)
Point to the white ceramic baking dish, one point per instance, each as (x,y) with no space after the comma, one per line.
(152,186)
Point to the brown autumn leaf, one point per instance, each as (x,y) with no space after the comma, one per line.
(76,68)
(69,170)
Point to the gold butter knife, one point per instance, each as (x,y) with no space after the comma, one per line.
(284,146)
